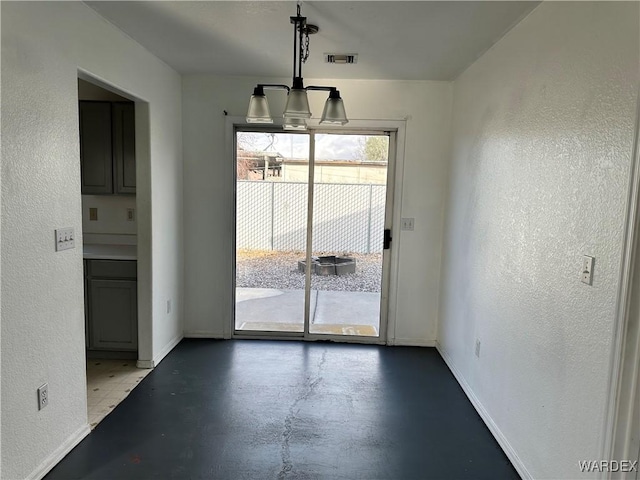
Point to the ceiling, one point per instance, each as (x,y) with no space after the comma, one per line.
(413,40)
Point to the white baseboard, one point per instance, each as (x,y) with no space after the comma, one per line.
(165,351)
(486,418)
(59,453)
(196,334)
(145,364)
(412,342)
(158,358)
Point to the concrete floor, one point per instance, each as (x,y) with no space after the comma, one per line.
(280,308)
(242,409)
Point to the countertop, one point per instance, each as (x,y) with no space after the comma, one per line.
(109,252)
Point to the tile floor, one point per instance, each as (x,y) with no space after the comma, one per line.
(108,383)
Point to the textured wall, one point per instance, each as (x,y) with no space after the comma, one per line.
(43,45)
(543,128)
(209,187)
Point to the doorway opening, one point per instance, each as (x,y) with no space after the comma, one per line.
(311,213)
(107,139)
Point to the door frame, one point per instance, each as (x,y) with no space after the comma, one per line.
(144,265)
(622,410)
(388,224)
(395,182)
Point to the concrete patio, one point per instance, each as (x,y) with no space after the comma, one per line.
(331,312)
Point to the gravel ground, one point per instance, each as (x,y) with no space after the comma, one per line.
(268,269)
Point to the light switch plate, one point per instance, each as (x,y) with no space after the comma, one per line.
(43,396)
(408,224)
(131,214)
(65,239)
(587,270)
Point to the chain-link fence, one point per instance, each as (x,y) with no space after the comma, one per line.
(273,216)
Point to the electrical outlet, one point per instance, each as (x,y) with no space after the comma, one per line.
(478,348)
(131,214)
(65,239)
(93,214)
(168,306)
(587,270)
(43,396)
(407,223)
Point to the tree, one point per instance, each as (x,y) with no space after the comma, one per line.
(244,165)
(249,143)
(374,149)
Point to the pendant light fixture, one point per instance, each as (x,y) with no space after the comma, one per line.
(296,111)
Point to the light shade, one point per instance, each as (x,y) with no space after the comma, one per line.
(258,108)
(291,123)
(297,104)
(334,113)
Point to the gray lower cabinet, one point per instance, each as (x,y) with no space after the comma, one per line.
(113,314)
(112,305)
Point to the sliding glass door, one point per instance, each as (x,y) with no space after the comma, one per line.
(271,230)
(311,211)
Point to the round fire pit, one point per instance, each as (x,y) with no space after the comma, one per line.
(329,265)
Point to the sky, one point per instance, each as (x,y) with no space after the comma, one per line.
(328,146)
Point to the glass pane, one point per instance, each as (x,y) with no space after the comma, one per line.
(350,181)
(271,226)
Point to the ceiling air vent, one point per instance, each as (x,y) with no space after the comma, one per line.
(341,57)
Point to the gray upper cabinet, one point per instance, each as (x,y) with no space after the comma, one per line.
(124,147)
(95,148)
(107,147)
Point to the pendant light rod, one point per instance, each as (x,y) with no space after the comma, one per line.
(296,55)
(299,28)
(301,23)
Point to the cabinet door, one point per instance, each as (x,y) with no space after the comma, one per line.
(114,314)
(124,147)
(96,161)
